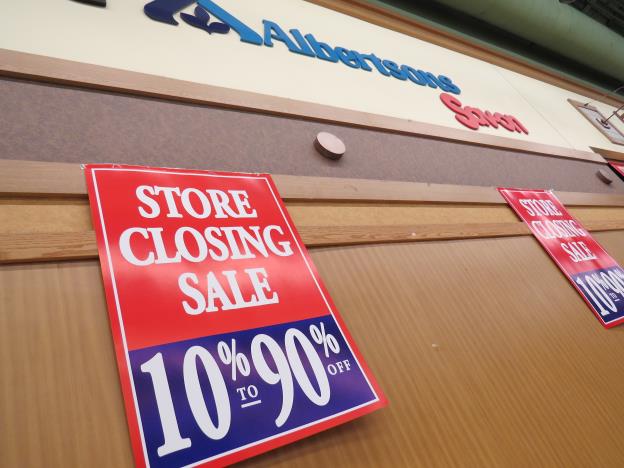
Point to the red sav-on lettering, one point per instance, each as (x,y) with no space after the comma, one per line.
(474,118)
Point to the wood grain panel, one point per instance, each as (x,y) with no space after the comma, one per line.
(47,247)
(336,189)
(57,226)
(61,402)
(32,215)
(316,236)
(48,216)
(384,214)
(597,213)
(613,243)
(50,69)
(33,177)
(325,188)
(44,215)
(38,215)
(483,365)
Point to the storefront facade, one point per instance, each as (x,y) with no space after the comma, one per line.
(486,353)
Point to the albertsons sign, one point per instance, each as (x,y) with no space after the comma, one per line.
(297,42)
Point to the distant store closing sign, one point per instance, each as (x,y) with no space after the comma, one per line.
(591,270)
(228,344)
(618,168)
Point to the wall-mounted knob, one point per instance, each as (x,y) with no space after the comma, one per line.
(605,176)
(329,145)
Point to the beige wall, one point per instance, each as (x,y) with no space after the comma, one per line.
(121,36)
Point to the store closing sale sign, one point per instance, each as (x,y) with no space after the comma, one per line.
(593,272)
(227,342)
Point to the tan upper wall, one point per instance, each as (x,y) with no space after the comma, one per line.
(121,36)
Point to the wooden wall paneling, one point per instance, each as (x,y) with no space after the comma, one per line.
(32,178)
(57,226)
(326,188)
(44,214)
(61,403)
(597,213)
(612,242)
(483,366)
(368,213)
(46,247)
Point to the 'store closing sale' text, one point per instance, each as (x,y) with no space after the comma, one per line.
(227,342)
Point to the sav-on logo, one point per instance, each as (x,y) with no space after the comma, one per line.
(165,10)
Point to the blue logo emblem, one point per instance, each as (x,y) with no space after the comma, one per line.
(201,20)
(164,11)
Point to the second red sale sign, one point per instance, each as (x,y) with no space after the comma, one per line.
(618,167)
(591,270)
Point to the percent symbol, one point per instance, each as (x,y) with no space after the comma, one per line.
(328,340)
(238,361)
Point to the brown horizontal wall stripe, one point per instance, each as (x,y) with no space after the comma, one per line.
(48,183)
(54,215)
(54,70)
(326,188)
(389,19)
(32,178)
(49,247)
(36,215)
(36,178)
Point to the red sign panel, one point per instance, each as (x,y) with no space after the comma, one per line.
(227,342)
(618,167)
(591,270)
